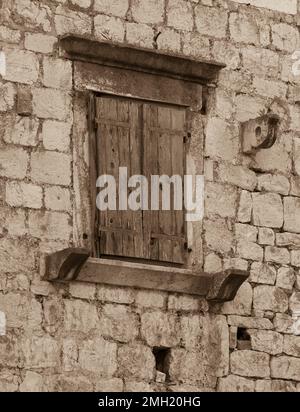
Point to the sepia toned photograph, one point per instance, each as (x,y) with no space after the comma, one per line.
(149,201)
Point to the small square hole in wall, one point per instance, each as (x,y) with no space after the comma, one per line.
(161,359)
(243,339)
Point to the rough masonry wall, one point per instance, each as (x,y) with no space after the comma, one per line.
(87,337)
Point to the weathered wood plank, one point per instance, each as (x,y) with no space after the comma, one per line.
(93,168)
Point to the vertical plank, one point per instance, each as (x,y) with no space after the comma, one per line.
(177,168)
(164,128)
(125,161)
(109,147)
(93,167)
(102,134)
(166,217)
(150,167)
(136,164)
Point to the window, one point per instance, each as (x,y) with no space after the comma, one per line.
(149,139)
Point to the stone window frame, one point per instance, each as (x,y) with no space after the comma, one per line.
(118,70)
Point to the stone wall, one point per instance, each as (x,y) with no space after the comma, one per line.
(87,337)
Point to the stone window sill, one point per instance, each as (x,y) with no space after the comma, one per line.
(74,264)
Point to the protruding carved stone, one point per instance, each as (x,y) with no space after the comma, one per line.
(75,264)
(260,133)
(65,264)
(224,286)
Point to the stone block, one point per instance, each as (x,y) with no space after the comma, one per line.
(136,361)
(270,298)
(151,299)
(21,66)
(49,225)
(7,97)
(139,34)
(266,341)
(98,356)
(263,273)
(80,316)
(33,382)
(250,363)
(160,329)
(20,194)
(285,367)
(285,278)
(267,210)
(274,183)
(116,8)
(243,28)
(220,140)
(56,135)
(211,21)
(41,352)
(249,322)
(233,383)
(180,15)
(51,167)
(237,175)
(40,43)
(266,236)
(115,294)
(291,214)
(57,198)
(277,255)
(245,207)
(218,235)
(220,200)
(242,303)
(69,21)
(57,73)
(13,162)
(51,103)
(285,37)
(21,131)
(109,28)
(148,11)
(119,323)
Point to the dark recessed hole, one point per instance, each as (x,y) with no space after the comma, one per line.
(258,131)
(85,236)
(242,334)
(203,109)
(161,359)
(243,339)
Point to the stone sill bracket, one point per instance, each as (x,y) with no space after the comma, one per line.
(75,264)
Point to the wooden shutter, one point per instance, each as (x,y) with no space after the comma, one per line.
(148,139)
(119,145)
(164,134)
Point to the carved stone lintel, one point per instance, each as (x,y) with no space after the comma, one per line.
(138,59)
(75,264)
(224,286)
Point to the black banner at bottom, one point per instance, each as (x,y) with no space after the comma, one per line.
(126,401)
